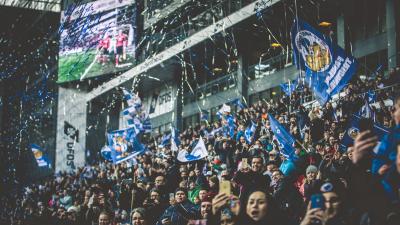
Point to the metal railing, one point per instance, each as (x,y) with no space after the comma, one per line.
(211,88)
(268,66)
(380,93)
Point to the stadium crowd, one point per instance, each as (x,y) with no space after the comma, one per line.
(358,184)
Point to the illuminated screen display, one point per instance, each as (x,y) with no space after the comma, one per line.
(96,38)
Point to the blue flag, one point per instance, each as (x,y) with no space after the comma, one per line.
(371,97)
(231,125)
(328,68)
(285,139)
(289,87)
(367,112)
(249,133)
(204,115)
(354,129)
(239,104)
(40,156)
(124,145)
(165,140)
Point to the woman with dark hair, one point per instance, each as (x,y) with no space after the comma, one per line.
(138,216)
(260,208)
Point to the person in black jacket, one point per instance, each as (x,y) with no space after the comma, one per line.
(287,197)
(253,178)
(180,211)
(154,206)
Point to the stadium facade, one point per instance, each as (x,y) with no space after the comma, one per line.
(194,56)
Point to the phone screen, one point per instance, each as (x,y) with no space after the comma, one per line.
(244,163)
(318,201)
(225,187)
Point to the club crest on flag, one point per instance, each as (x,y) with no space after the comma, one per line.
(121,144)
(327,67)
(40,156)
(353,132)
(37,154)
(314,51)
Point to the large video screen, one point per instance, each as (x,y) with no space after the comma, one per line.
(96,38)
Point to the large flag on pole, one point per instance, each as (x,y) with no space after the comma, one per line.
(328,68)
(198,152)
(124,145)
(285,139)
(135,114)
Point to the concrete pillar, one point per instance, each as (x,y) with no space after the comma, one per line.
(341,32)
(177,119)
(391,32)
(71,129)
(2,102)
(114,114)
(242,78)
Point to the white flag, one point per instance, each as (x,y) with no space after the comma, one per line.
(225,109)
(198,152)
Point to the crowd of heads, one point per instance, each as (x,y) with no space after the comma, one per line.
(240,182)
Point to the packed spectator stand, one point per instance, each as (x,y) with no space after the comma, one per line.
(266,188)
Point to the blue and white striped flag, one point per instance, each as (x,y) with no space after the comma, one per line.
(165,140)
(130,111)
(147,127)
(132,99)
